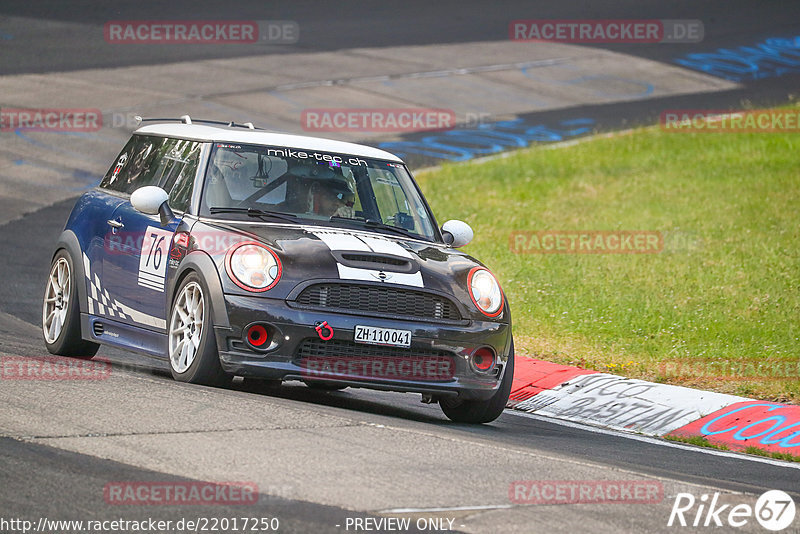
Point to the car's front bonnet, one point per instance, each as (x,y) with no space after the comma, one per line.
(315,252)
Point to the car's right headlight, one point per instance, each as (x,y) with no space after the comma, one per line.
(253,266)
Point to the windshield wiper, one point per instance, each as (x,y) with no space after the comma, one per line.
(253,212)
(342,218)
(372,223)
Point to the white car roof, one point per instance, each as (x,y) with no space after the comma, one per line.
(202,132)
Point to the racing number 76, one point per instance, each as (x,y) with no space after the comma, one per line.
(155,245)
(152,266)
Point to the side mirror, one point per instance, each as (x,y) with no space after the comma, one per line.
(152,200)
(457,233)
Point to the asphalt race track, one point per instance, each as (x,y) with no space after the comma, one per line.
(322,460)
(329,27)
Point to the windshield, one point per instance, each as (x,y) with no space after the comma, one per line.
(315,187)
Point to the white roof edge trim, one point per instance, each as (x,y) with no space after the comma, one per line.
(201,132)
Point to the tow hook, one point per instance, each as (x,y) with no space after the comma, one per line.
(324,331)
(428,398)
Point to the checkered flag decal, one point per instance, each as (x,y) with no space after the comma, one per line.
(99,299)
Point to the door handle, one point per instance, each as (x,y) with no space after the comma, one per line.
(115,224)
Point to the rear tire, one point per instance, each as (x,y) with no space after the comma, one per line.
(482,411)
(61,313)
(193,355)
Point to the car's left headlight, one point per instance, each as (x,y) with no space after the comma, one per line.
(485,291)
(252,266)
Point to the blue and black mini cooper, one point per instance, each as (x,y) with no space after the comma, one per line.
(231,251)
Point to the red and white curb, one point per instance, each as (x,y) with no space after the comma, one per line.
(625,404)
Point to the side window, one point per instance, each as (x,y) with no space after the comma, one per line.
(176,171)
(388,194)
(159,160)
(128,165)
(168,163)
(134,166)
(392,202)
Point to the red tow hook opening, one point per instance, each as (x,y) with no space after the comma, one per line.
(257,336)
(483,359)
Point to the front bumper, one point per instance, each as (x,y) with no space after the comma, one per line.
(295,344)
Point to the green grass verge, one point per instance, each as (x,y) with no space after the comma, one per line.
(700,441)
(726,287)
(778,455)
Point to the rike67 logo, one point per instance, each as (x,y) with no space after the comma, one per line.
(774,510)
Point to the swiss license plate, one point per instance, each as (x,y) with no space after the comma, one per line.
(372,335)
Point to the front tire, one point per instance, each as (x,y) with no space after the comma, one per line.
(61,313)
(193,355)
(482,411)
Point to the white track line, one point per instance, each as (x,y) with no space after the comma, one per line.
(658,441)
(446,509)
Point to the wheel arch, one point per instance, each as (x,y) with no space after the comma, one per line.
(69,241)
(201,264)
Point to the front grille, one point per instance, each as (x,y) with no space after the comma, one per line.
(379,300)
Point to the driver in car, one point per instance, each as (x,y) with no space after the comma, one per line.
(332,197)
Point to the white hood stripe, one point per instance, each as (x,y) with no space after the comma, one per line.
(353,273)
(384,246)
(338,241)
